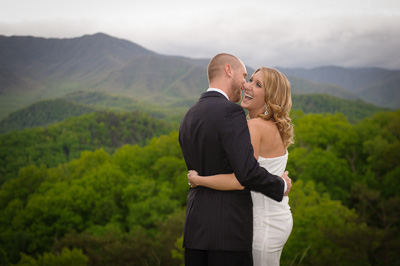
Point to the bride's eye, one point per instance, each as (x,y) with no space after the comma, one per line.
(259,85)
(251,80)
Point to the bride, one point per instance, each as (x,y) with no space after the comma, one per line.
(268,100)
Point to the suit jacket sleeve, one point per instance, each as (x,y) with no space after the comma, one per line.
(235,139)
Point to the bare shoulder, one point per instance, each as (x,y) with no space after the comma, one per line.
(267,134)
(253,122)
(255,125)
(264,126)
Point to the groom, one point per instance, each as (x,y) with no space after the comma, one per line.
(215,139)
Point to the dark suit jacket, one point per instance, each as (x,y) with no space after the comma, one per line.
(215,139)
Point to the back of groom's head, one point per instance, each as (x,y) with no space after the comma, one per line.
(215,68)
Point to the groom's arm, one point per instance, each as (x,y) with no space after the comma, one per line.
(235,138)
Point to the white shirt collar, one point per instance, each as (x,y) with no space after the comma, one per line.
(220,91)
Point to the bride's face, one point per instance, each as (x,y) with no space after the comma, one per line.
(254,94)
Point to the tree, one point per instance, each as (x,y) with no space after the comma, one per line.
(66,258)
(325,232)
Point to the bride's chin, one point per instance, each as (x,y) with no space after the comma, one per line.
(244,105)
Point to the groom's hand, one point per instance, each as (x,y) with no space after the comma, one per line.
(288,181)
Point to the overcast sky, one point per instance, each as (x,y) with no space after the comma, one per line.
(287,33)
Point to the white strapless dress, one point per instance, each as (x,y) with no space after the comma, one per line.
(272,220)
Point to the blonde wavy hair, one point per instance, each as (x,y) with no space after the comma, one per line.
(279,102)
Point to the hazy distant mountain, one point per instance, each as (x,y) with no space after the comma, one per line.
(376,85)
(303,86)
(10,82)
(34,69)
(41,58)
(147,76)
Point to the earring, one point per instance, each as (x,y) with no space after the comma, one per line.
(266,110)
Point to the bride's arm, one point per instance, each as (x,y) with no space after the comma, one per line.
(218,182)
(226,181)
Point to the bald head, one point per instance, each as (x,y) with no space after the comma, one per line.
(227,73)
(216,66)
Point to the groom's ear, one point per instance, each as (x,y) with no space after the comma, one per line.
(228,70)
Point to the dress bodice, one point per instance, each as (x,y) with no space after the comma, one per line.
(275,166)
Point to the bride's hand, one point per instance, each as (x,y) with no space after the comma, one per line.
(193,177)
(288,181)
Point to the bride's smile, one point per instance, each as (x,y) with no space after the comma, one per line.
(254,95)
(247,96)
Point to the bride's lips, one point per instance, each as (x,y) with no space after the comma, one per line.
(248,96)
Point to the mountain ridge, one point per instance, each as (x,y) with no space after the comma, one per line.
(35,68)
(376,85)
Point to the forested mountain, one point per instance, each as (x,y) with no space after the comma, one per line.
(45,112)
(42,113)
(376,85)
(34,69)
(62,142)
(354,110)
(126,206)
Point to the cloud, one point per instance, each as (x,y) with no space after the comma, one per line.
(271,33)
